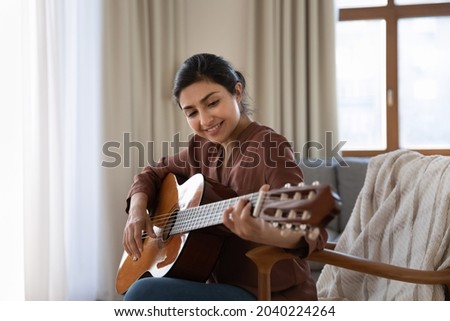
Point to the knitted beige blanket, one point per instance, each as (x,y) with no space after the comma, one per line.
(401,217)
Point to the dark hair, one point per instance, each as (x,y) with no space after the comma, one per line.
(212,68)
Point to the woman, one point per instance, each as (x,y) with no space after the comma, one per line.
(230,148)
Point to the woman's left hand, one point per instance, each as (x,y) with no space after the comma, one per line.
(240,221)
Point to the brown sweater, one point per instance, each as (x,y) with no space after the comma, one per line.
(260,156)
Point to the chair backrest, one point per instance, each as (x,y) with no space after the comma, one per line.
(400,219)
(396,245)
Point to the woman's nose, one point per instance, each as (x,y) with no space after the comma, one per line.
(205,118)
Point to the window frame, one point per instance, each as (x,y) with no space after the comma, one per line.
(391,13)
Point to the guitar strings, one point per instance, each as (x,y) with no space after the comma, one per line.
(187,218)
(208,215)
(161,218)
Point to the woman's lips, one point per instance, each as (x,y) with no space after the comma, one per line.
(213,129)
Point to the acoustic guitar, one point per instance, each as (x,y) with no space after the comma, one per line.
(183,213)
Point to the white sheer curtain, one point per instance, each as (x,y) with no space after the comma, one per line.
(11,160)
(54,236)
(291,61)
(61,150)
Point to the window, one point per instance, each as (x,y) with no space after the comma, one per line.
(393,75)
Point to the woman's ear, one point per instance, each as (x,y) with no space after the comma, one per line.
(238,89)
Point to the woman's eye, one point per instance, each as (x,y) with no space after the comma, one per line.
(214,103)
(191,114)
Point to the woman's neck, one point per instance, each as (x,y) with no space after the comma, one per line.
(243,123)
(230,143)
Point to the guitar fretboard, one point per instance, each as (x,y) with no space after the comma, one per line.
(191,219)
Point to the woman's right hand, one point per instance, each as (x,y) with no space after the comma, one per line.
(137,222)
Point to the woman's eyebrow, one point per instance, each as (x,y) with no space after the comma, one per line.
(203,100)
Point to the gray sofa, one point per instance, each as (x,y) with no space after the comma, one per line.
(346,178)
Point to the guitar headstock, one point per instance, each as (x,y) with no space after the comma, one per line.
(302,208)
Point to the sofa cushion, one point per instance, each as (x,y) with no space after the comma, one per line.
(350,179)
(323,172)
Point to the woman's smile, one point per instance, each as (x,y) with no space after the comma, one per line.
(214,129)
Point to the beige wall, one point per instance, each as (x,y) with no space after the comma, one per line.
(218,27)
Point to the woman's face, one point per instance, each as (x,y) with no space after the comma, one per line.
(212,112)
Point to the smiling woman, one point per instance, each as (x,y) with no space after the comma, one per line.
(210,93)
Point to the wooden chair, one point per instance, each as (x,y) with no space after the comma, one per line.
(266,256)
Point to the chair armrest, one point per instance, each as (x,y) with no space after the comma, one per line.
(330,245)
(265,257)
(384,270)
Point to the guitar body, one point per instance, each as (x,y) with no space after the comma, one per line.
(190,256)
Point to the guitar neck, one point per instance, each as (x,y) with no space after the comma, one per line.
(195,218)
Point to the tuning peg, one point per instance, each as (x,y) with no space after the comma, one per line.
(306,215)
(314,233)
(315,183)
(292,214)
(278,214)
(287,185)
(301,184)
(311,194)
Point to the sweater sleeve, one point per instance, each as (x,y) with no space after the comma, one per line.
(307,245)
(280,165)
(149,180)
